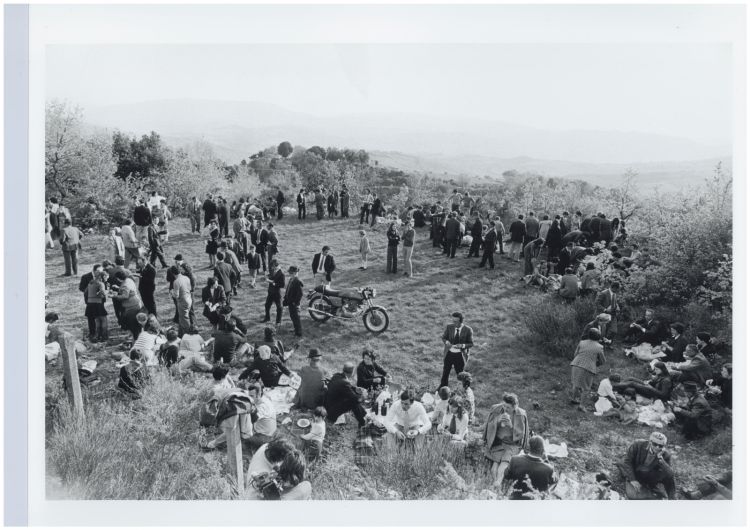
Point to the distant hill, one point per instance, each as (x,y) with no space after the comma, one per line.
(238,129)
(665,175)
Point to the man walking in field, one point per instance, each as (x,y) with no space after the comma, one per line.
(130,242)
(194,210)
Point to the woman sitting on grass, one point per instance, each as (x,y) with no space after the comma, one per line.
(505,434)
(658,387)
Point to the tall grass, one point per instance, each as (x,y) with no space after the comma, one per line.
(145,449)
(556,326)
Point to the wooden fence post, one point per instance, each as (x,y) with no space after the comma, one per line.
(234,452)
(70,372)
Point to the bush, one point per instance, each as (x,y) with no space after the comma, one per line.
(556,326)
(136,450)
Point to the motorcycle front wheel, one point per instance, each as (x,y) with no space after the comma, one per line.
(320,303)
(376,319)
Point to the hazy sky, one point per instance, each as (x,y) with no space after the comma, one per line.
(667,88)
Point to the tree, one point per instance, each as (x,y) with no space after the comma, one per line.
(285,149)
(623,198)
(62,145)
(317,151)
(140,159)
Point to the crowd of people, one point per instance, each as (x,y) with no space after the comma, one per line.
(691,377)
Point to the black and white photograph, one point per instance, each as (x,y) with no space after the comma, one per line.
(487,266)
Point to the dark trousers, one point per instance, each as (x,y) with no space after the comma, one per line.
(157,252)
(301,211)
(488,255)
(452,246)
(71,261)
(195,223)
(273,298)
(652,478)
(364,214)
(294,316)
(262,254)
(279,211)
(357,410)
(344,209)
(92,326)
(319,212)
(476,242)
(452,360)
(148,301)
(391,260)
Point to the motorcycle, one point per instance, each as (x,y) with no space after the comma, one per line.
(325,303)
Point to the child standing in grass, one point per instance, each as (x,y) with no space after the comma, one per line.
(314,439)
(466,379)
(364,248)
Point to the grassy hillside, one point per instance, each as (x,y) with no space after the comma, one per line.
(149,448)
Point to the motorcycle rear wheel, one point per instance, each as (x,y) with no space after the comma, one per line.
(321,303)
(376,319)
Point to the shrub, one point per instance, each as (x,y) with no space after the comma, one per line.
(556,326)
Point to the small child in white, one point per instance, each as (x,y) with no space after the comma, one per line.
(314,439)
(364,248)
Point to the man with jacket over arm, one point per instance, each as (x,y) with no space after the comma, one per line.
(457,339)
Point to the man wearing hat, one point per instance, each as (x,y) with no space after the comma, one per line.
(457,339)
(293,298)
(312,388)
(695,417)
(323,266)
(647,469)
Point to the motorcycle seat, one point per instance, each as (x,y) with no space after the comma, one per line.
(352,294)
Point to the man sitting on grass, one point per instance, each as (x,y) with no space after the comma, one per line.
(408,419)
(530,467)
(647,469)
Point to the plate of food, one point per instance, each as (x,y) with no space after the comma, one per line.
(412,433)
(303,423)
(455,348)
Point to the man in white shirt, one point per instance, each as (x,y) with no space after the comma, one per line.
(323,266)
(154,201)
(407,417)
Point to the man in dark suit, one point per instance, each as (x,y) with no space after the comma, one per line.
(323,266)
(594,227)
(488,252)
(83,287)
(696,416)
(517,231)
(276,282)
(676,345)
(452,234)
(209,210)
(293,298)
(253,264)
(213,298)
(457,339)
(532,229)
(476,237)
(377,204)
(647,329)
(222,212)
(147,285)
(223,274)
(530,467)
(262,246)
(342,396)
(154,245)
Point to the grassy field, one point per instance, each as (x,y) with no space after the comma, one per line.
(504,359)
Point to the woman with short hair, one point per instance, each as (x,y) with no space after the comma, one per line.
(505,434)
(589,355)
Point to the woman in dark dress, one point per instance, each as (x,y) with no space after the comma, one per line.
(212,245)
